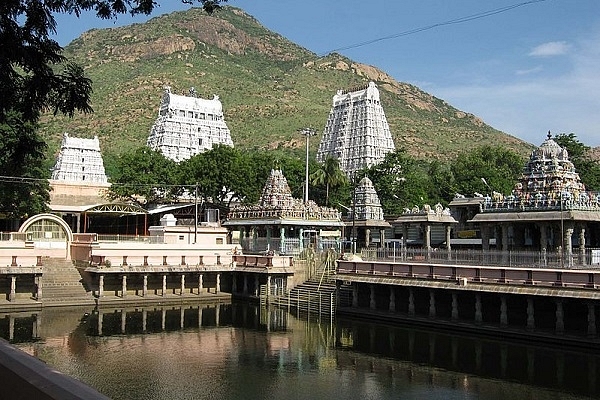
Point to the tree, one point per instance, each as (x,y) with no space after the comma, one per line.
(499,167)
(588,169)
(400,181)
(35,77)
(330,175)
(145,177)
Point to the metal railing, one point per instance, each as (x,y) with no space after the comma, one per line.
(590,258)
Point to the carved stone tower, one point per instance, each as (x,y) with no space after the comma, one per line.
(357,132)
(188,125)
(79,161)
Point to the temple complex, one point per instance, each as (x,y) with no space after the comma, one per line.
(548,209)
(357,132)
(365,223)
(188,125)
(281,223)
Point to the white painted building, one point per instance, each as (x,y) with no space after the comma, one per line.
(79,161)
(188,125)
(357,131)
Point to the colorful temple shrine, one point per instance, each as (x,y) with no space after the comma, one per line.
(549,208)
(280,223)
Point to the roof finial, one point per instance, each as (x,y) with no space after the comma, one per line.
(549,135)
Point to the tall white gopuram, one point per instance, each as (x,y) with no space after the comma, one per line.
(357,132)
(188,125)
(79,161)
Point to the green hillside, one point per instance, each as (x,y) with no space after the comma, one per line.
(269,87)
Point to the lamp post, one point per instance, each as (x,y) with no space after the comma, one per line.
(307,132)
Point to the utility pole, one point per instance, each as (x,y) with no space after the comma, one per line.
(307,132)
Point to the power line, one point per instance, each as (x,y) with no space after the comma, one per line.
(455,21)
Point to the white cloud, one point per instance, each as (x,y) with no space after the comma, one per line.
(550,49)
(529,71)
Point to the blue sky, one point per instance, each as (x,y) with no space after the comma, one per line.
(527,70)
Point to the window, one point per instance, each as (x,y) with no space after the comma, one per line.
(219,240)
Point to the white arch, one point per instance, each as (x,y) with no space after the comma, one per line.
(30,221)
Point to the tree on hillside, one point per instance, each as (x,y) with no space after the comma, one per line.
(588,169)
(145,177)
(330,175)
(34,78)
(499,167)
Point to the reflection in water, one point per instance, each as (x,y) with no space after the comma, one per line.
(243,351)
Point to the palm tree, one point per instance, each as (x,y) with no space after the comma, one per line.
(330,175)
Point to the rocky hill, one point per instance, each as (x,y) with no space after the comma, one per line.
(270,87)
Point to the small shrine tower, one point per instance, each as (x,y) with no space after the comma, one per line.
(188,125)
(357,131)
(79,161)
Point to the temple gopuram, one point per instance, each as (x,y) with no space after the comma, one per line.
(357,132)
(279,223)
(365,224)
(549,208)
(187,125)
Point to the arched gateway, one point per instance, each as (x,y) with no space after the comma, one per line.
(47,231)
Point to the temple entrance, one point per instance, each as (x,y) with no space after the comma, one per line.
(47,231)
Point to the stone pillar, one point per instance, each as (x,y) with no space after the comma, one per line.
(591,331)
(181,318)
(367,237)
(164,285)
(432,310)
(200,283)
(13,288)
(427,240)
(355,295)
(182,290)
(392,306)
(200,316)
(217,314)
(11,327)
(411,301)
(382,238)
(268,285)
(123,286)
(38,287)
(218,285)
(101,285)
(478,312)
(569,245)
(163,319)
(282,239)
(454,306)
(245,287)
(145,287)
(560,323)
(582,259)
(503,311)
(530,314)
(301,238)
(448,239)
(372,302)
(256,285)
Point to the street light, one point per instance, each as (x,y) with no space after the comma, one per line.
(307,132)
